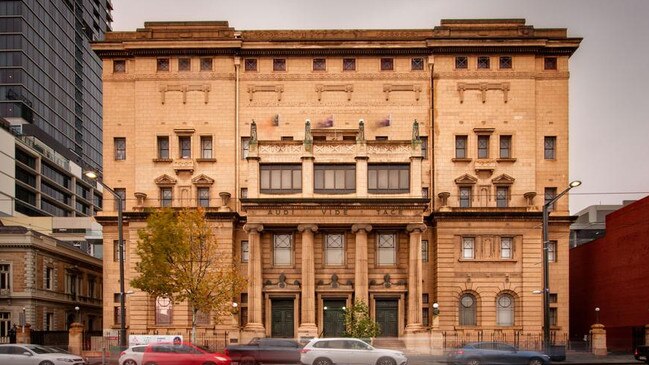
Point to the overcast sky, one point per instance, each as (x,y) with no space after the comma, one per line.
(609,73)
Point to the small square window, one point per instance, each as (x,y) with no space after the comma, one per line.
(206,64)
(461,62)
(279,64)
(387,64)
(505,62)
(184,64)
(119,66)
(250,64)
(483,62)
(417,64)
(319,64)
(163,64)
(550,63)
(349,64)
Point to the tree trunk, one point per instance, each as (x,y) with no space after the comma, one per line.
(194,311)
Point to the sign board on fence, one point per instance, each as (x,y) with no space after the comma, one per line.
(147,339)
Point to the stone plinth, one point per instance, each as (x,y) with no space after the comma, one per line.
(417,340)
(436,342)
(75,342)
(23,334)
(598,335)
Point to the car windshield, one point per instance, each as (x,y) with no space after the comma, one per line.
(40,349)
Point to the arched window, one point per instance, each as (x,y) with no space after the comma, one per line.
(505,310)
(468,310)
(163,310)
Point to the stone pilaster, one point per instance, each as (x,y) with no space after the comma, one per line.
(308,327)
(361,281)
(307,176)
(255,327)
(415,285)
(361,176)
(253,177)
(598,337)
(415,175)
(24,334)
(75,338)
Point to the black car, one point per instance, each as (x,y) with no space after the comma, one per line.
(495,353)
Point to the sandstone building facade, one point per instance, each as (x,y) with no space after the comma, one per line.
(403,168)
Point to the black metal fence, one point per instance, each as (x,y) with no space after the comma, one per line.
(520,339)
(50,338)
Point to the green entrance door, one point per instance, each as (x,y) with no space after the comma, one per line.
(334,318)
(282,318)
(387,316)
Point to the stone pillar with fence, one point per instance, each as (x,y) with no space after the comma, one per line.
(24,334)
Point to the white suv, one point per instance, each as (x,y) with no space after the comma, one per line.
(329,351)
(132,355)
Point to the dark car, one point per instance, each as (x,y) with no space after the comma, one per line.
(265,350)
(495,353)
(641,353)
(181,354)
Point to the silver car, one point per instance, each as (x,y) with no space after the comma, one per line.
(132,355)
(23,354)
(329,351)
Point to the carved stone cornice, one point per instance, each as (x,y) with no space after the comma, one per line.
(388,88)
(307,227)
(365,227)
(277,89)
(184,89)
(202,180)
(483,87)
(165,180)
(347,88)
(466,179)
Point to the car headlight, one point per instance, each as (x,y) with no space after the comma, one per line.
(64,359)
(220,358)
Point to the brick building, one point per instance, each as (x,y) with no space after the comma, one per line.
(610,273)
(400,167)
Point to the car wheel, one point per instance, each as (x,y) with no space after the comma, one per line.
(473,362)
(535,361)
(45,363)
(386,361)
(322,361)
(129,362)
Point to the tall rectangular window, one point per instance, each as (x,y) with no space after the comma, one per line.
(506,247)
(424,250)
(117,318)
(382,179)
(166,196)
(552,251)
(5,324)
(279,64)
(502,196)
(549,147)
(387,64)
(185,147)
(483,146)
(460,146)
(281,178)
(49,278)
(163,147)
(349,64)
(553,317)
(203,194)
(121,192)
(461,62)
(206,147)
(163,311)
(206,64)
(468,247)
(334,249)
(250,64)
(245,147)
(184,64)
(335,179)
(465,196)
(386,252)
(505,146)
(5,278)
(49,321)
(549,195)
(282,249)
(116,251)
(424,147)
(120,148)
(245,251)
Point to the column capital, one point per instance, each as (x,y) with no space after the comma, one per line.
(416,227)
(307,227)
(253,227)
(357,227)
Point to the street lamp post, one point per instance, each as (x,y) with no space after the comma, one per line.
(546,266)
(120,245)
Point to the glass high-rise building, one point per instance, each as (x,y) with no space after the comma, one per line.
(50,92)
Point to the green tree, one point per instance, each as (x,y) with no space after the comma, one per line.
(181,260)
(358,322)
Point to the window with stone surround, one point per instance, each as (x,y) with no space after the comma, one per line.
(120,148)
(203,194)
(484,62)
(549,194)
(250,64)
(505,146)
(505,62)
(550,147)
(387,64)
(5,324)
(468,247)
(552,251)
(505,310)
(417,64)
(280,178)
(468,310)
(424,250)
(163,311)
(550,63)
(163,147)
(386,249)
(206,147)
(466,196)
(245,147)
(115,250)
(185,147)
(117,318)
(184,64)
(460,146)
(5,277)
(206,64)
(334,249)
(166,196)
(319,64)
(121,192)
(502,196)
(162,64)
(282,249)
(245,251)
(335,179)
(349,64)
(119,66)
(506,247)
(279,64)
(388,178)
(461,62)
(483,146)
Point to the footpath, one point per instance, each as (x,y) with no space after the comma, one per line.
(572,358)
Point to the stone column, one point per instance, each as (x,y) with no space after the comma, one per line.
(598,337)
(361,176)
(24,334)
(308,327)
(307,176)
(415,175)
(75,338)
(253,177)
(255,327)
(361,282)
(415,285)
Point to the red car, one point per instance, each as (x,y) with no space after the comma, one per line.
(181,354)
